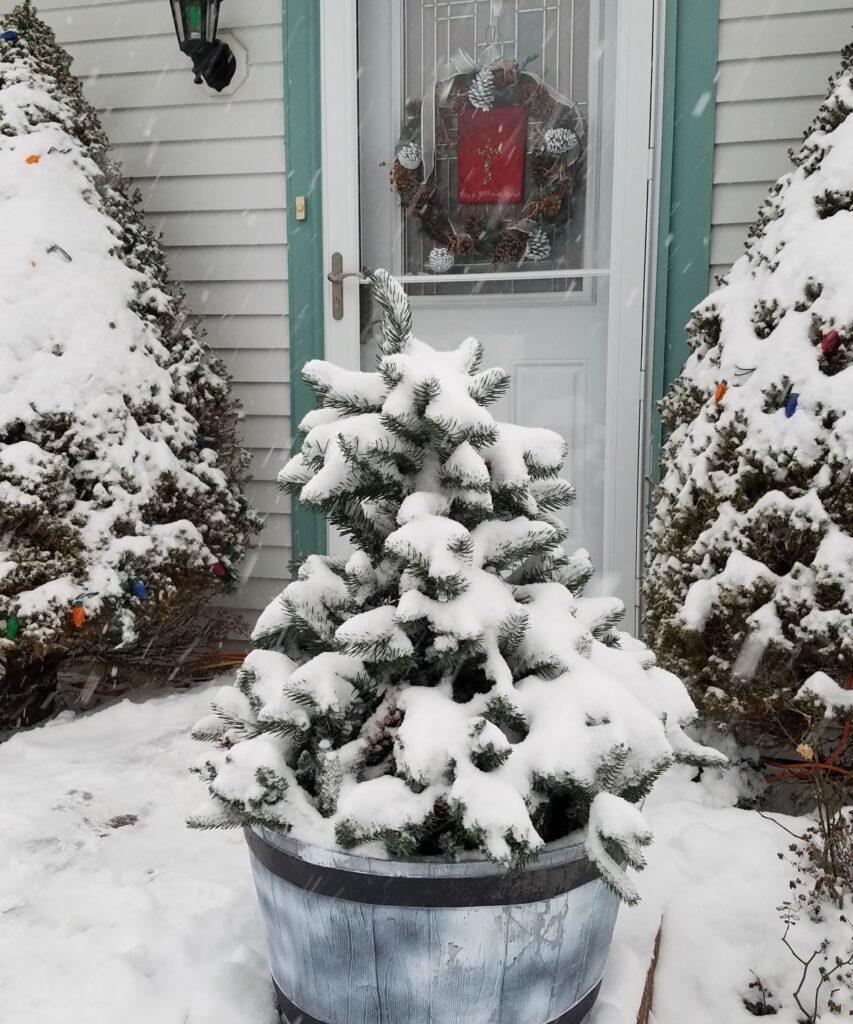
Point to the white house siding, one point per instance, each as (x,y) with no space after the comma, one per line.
(211,171)
(775,57)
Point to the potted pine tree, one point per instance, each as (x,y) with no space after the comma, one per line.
(749,581)
(438,746)
(121,506)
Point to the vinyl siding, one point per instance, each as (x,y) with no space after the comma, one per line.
(775,57)
(211,173)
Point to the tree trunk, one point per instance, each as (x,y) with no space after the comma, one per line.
(28,691)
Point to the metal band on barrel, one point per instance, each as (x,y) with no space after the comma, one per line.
(291,1014)
(529,886)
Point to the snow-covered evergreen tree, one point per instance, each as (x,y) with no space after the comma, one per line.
(120,472)
(749,586)
(446,688)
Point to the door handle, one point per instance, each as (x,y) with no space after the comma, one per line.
(337,276)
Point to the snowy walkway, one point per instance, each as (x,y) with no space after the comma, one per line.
(111,910)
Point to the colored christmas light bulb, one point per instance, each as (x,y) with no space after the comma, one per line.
(33,158)
(78,614)
(218,569)
(720,393)
(830,342)
(13,626)
(791,404)
(140,590)
(9,36)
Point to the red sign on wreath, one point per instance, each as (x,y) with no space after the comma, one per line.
(490,155)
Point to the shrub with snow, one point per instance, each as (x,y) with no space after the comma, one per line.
(749,586)
(120,473)
(446,688)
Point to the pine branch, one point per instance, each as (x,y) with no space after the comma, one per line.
(490,385)
(397,313)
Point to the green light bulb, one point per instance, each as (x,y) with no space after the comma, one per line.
(194,17)
(13,626)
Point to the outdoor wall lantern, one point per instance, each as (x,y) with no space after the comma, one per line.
(196,23)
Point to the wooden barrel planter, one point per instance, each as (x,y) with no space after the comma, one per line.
(360,940)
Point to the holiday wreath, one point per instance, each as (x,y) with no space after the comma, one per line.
(517,146)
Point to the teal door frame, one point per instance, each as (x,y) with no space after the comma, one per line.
(688,120)
(684,207)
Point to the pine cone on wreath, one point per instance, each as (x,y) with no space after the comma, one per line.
(538,246)
(549,206)
(410,156)
(462,245)
(510,247)
(403,179)
(481,92)
(560,140)
(440,260)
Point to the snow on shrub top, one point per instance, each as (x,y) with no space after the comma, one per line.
(109,412)
(749,585)
(447,688)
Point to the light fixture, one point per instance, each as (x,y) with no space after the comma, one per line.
(196,23)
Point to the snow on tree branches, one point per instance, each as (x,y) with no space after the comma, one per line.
(446,688)
(120,472)
(749,585)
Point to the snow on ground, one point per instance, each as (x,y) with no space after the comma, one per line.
(715,880)
(149,923)
(104,921)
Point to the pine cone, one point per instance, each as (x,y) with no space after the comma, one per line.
(426,206)
(538,245)
(481,92)
(380,739)
(410,156)
(550,206)
(560,140)
(440,260)
(403,179)
(510,247)
(462,245)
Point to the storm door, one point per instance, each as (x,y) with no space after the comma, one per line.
(496,155)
